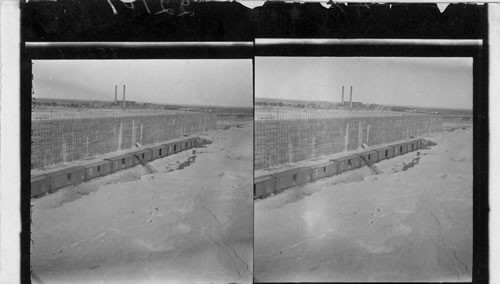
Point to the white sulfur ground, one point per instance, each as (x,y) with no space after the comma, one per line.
(406,224)
(182,226)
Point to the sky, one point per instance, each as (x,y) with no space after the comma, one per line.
(418,82)
(192,82)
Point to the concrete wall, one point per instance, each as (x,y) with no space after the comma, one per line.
(285,141)
(64,140)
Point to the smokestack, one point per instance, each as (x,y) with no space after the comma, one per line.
(123,95)
(342,95)
(116,94)
(351,97)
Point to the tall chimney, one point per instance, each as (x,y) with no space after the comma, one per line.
(116,93)
(342,95)
(351,97)
(123,96)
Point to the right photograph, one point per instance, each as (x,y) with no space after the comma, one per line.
(363,169)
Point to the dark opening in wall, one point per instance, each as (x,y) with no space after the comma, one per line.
(186,144)
(348,163)
(254,189)
(324,169)
(412,146)
(123,162)
(160,152)
(386,153)
(294,177)
(68,177)
(175,148)
(98,168)
(143,156)
(400,149)
(369,156)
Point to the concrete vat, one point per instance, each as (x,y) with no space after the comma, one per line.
(324,170)
(347,163)
(370,156)
(385,153)
(97,169)
(122,162)
(159,152)
(292,178)
(142,156)
(400,149)
(39,185)
(264,186)
(66,177)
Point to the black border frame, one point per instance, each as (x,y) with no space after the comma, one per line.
(250,50)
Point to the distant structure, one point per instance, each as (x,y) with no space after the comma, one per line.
(123,102)
(116,94)
(350,99)
(342,104)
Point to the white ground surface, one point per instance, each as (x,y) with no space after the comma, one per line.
(402,225)
(182,226)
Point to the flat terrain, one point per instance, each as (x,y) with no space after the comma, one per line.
(43,113)
(413,222)
(190,222)
(280,113)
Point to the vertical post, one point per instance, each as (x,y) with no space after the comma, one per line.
(133,133)
(120,136)
(64,150)
(360,134)
(346,137)
(116,94)
(368,135)
(141,135)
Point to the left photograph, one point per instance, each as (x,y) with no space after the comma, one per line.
(142,171)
